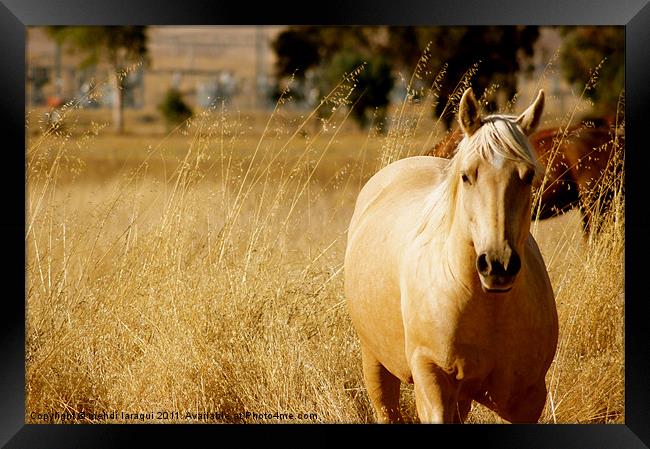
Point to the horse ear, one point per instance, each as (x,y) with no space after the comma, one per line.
(531,117)
(469,113)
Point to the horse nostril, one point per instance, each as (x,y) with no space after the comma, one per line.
(482,264)
(487,266)
(514,264)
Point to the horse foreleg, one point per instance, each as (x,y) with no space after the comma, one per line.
(435,395)
(526,407)
(461,411)
(382,387)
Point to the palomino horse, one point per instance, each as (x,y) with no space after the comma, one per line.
(577,161)
(446,286)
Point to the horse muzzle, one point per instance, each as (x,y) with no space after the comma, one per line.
(497,275)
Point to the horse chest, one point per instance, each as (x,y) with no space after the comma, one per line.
(476,340)
(459,341)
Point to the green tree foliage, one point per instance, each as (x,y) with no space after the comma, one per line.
(300,48)
(296,52)
(119,46)
(173,108)
(497,50)
(583,49)
(332,52)
(374,83)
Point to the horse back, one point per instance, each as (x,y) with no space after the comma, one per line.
(400,182)
(573,166)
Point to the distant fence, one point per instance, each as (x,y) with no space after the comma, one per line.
(145,87)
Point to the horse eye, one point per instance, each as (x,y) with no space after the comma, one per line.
(464,178)
(528,177)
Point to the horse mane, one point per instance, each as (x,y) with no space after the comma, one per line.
(499,135)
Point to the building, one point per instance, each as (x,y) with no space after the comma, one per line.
(232,63)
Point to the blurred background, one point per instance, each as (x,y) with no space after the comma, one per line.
(167,73)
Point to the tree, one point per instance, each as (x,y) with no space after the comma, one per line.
(583,49)
(374,83)
(325,54)
(174,109)
(296,52)
(119,46)
(300,48)
(498,50)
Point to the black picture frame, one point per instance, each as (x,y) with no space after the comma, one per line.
(16,15)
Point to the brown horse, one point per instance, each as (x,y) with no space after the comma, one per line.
(577,159)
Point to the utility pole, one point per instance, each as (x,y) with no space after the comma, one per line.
(58,81)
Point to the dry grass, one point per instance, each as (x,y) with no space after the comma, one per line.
(203,274)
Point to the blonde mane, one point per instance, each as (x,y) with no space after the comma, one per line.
(499,135)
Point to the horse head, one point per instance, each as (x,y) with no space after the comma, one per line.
(494,168)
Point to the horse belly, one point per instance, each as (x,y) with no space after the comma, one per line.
(373,297)
(374,305)
(380,229)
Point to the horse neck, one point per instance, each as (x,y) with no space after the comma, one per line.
(455,240)
(459,248)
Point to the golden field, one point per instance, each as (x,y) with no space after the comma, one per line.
(200,272)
